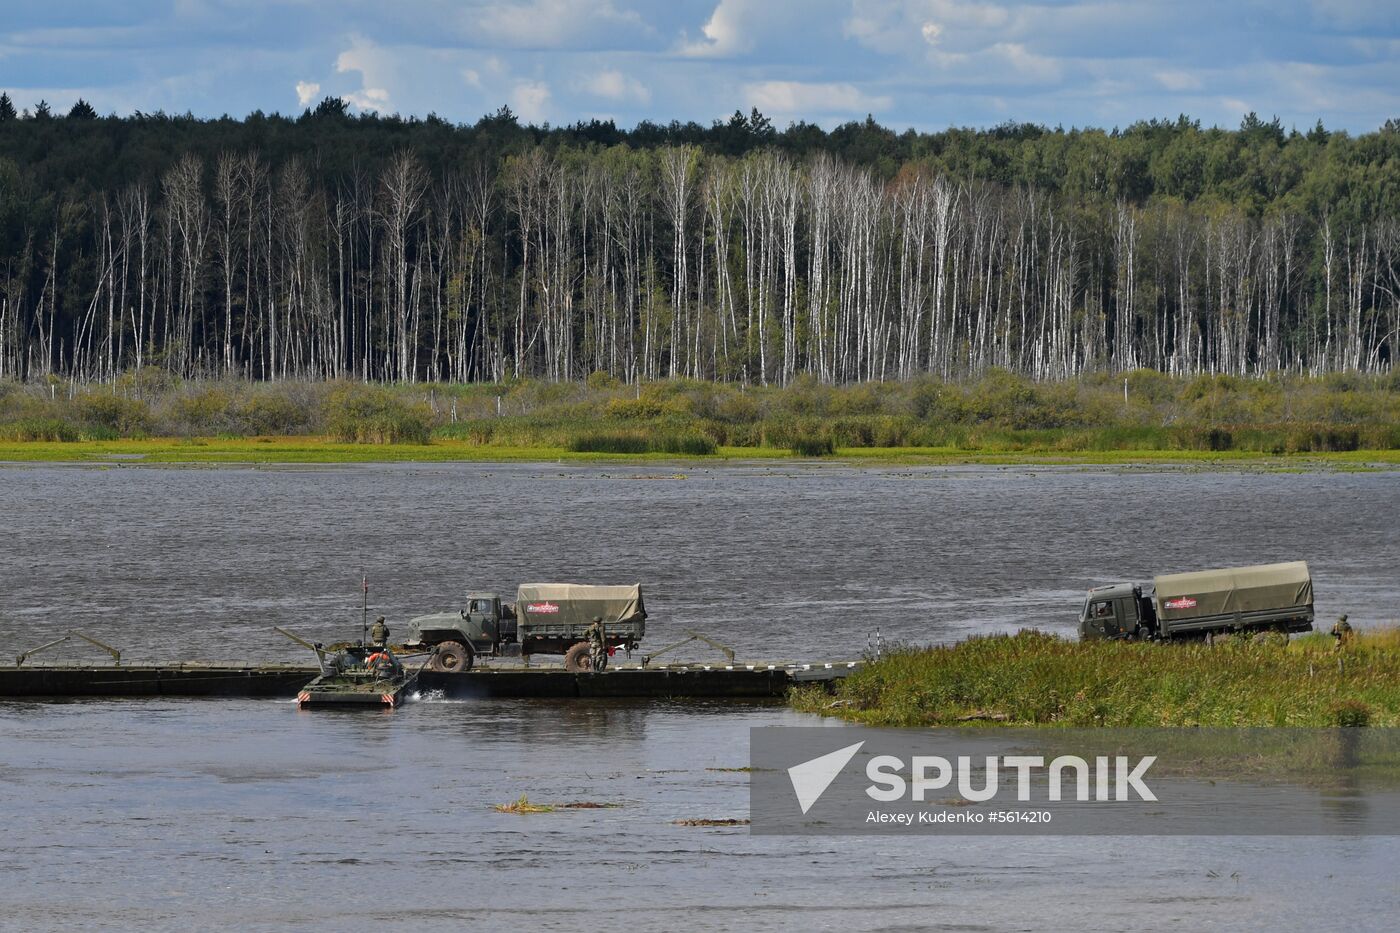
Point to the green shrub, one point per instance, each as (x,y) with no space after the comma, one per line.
(39,429)
(269,412)
(127,417)
(372,415)
(934,401)
(634,409)
(865,398)
(202,412)
(737,408)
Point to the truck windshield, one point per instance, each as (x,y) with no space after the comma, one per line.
(480,605)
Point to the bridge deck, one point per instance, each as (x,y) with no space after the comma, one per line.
(233,679)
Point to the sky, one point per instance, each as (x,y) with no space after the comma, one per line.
(926,64)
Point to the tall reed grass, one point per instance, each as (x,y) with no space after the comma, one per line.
(995,412)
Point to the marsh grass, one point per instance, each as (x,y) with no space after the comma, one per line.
(688,444)
(610,442)
(54,430)
(996,414)
(1032,678)
(812,446)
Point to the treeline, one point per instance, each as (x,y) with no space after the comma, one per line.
(386,249)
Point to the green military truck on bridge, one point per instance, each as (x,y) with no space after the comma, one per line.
(1264,597)
(546,618)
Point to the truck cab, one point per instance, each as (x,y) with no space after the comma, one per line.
(484,626)
(1117,611)
(487,620)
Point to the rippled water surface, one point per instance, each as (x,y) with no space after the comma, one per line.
(175,815)
(780,563)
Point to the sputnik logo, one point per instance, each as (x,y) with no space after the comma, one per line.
(811,778)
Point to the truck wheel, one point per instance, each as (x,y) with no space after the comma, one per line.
(576,659)
(452,657)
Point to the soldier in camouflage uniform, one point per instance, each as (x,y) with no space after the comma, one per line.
(1342,632)
(597,644)
(379,633)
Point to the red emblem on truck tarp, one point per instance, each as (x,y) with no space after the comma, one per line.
(542,607)
(1181,602)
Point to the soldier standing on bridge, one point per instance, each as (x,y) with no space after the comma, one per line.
(379,634)
(597,644)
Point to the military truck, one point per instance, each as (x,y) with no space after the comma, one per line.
(1275,597)
(546,618)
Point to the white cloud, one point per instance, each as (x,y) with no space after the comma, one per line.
(375,67)
(530,99)
(614,85)
(306,92)
(551,23)
(1178,81)
(1025,64)
(798,99)
(725,32)
(1233,106)
(801,33)
(904,26)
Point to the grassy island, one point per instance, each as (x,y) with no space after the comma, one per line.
(1035,679)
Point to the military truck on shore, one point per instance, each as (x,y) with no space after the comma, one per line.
(1276,597)
(546,618)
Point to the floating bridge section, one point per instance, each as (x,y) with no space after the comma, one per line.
(282,681)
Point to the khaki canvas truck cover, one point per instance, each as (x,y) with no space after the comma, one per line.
(1183,596)
(571,604)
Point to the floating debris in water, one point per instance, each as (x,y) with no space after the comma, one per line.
(710,822)
(523,805)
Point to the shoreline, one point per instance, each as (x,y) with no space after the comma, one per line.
(320,450)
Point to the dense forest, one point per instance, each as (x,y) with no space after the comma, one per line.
(367,247)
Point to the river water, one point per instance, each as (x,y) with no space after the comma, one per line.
(160,815)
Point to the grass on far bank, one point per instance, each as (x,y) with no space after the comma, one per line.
(1035,679)
(293,450)
(997,417)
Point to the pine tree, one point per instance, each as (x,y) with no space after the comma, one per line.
(82,110)
(7,108)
